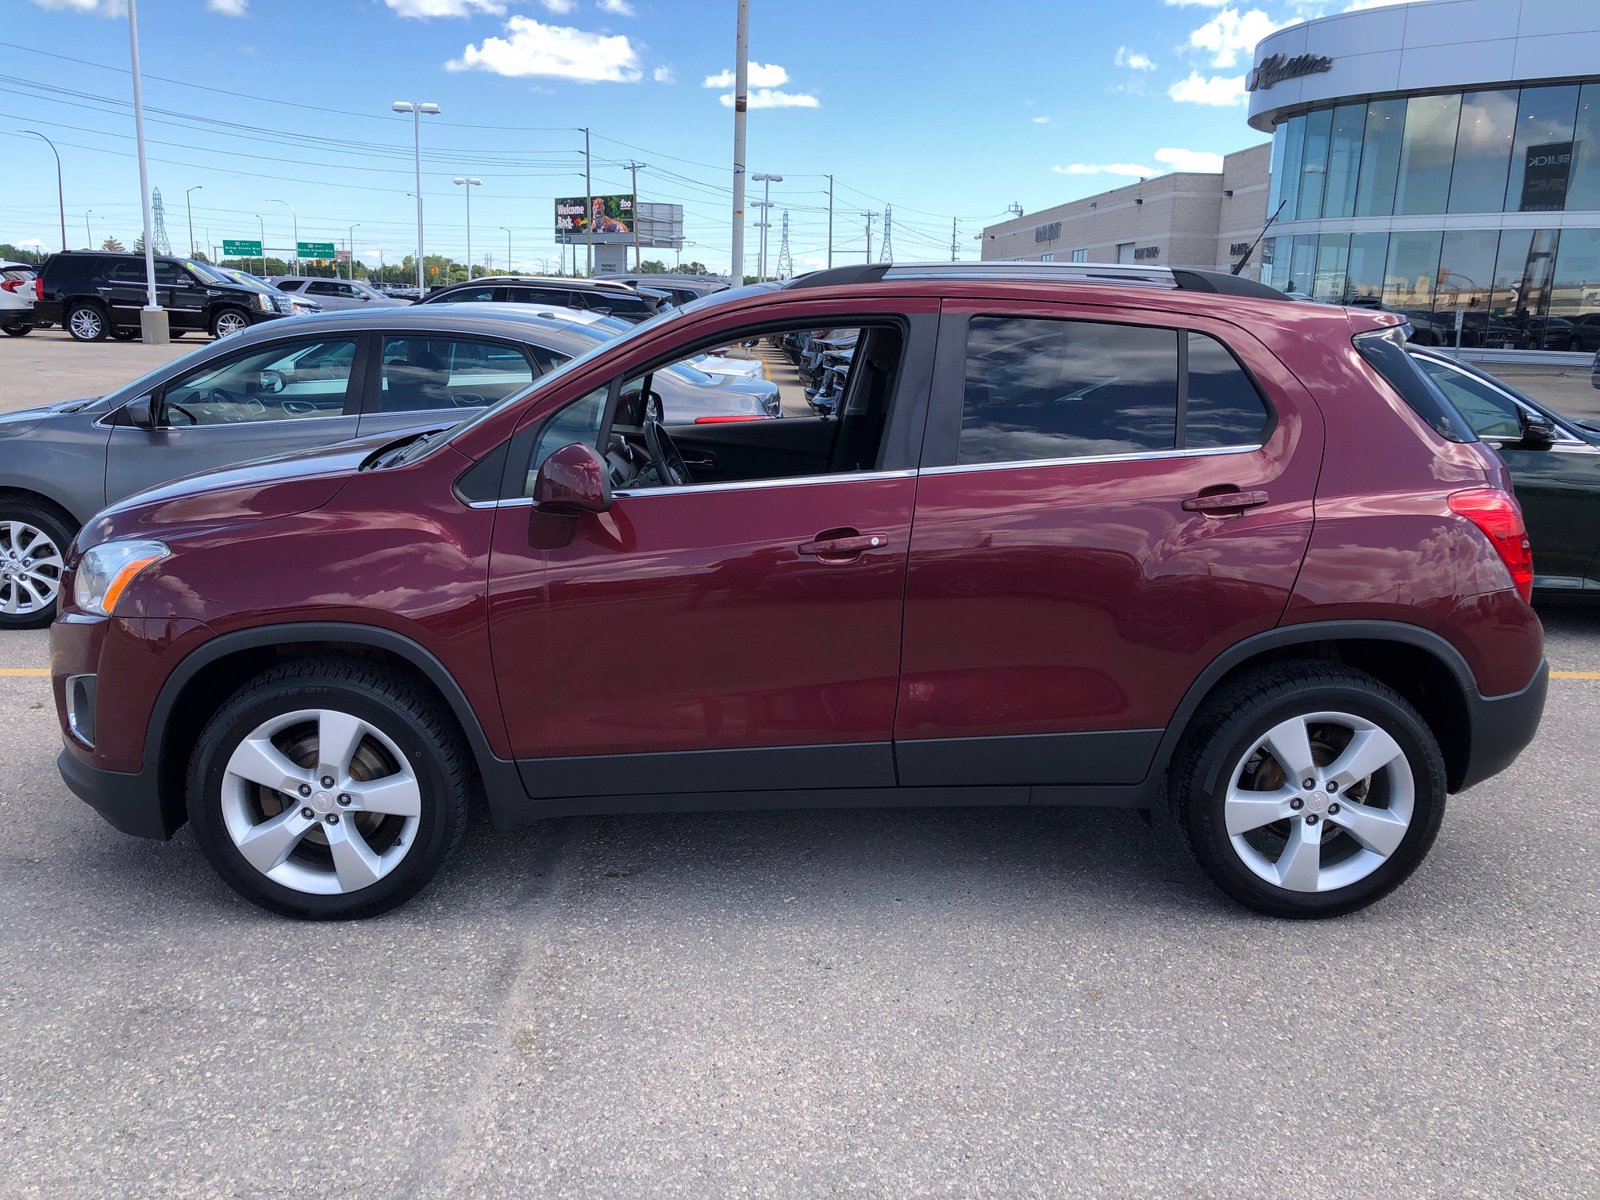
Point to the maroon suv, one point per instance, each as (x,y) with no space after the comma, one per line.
(1078,535)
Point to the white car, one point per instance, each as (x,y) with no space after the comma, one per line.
(334,294)
(16,297)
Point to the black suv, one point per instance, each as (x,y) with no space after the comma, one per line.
(93,293)
(595,295)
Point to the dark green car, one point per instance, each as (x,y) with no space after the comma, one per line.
(1555,468)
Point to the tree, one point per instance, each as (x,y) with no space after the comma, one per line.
(113,245)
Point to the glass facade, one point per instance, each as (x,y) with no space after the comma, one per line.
(1534,149)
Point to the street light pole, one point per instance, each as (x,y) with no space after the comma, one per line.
(87,235)
(508,249)
(190,207)
(350,250)
(416,109)
(766,182)
(296,217)
(61,202)
(153,325)
(633,170)
(469,183)
(262,226)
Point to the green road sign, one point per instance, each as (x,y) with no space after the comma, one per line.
(316,249)
(241,249)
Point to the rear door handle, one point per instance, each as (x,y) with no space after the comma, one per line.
(1232,500)
(844,545)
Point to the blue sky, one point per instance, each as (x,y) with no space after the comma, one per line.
(943,110)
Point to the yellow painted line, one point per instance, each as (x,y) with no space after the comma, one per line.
(29,672)
(1575,674)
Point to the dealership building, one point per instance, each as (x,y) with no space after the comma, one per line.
(1439,158)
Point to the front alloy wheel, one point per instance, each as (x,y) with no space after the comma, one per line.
(32,549)
(1308,789)
(229,321)
(328,791)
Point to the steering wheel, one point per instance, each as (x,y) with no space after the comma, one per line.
(172,406)
(664,453)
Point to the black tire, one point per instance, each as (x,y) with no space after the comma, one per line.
(124,333)
(410,718)
(223,320)
(16,330)
(87,323)
(1237,718)
(58,528)
(175,334)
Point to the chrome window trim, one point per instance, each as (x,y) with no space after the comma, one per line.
(1138,456)
(234,425)
(745,485)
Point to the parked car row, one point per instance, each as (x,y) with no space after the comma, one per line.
(822,358)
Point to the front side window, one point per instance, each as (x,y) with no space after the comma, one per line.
(281,382)
(438,371)
(1491,414)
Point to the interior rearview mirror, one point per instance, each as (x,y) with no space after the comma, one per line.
(139,412)
(572,480)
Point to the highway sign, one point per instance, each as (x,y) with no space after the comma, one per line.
(235,249)
(316,249)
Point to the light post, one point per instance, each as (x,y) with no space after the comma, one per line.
(154,327)
(87,235)
(766,218)
(350,249)
(469,183)
(262,226)
(296,217)
(61,202)
(190,208)
(416,109)
(508,248)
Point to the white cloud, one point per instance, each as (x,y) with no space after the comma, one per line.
(773,98)
(663,75)
(1358,5)
(1189,160)
(100,8)
(619,8)
(1134,60)
(425,9)
(560,7)
(1218,90)
(1042,120)
(228,8)
(1131,170)
(558,51)
(1230,34)
(763,75)
(1194,3)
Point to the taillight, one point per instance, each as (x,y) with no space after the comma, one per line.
(1496,513)
(725,420)
(38,288)
(10,285)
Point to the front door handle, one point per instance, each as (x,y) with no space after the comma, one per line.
(1231,500)
(842,545)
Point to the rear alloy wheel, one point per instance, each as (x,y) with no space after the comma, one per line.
(1309,790)
(87,323)
(229,320)
(328,791)
(33,544)
(16,330)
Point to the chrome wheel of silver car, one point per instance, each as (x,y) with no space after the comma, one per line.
(1319,802)
(321,802)
(30,569)
(86,324)
(229,321)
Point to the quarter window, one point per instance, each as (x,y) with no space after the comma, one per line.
(433,371)
(1223,407)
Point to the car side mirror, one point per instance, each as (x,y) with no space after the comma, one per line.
(1538,433)
(573,480)
(139,412)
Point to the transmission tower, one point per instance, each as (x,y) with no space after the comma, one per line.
(888,234)
(785,261)
(158,218)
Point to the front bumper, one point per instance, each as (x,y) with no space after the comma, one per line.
(1502,726)
(132,803)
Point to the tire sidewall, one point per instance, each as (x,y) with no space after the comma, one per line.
(61,534)
(246,712)
(100,315)
(1203,811)
(222,315)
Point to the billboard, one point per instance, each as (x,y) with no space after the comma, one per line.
(604,218)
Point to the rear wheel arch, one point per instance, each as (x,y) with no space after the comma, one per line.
(1425,669)
(218,669)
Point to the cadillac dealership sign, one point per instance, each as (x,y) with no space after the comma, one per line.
(1278,67)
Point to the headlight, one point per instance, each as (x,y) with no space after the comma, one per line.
(264,302)
(105,572)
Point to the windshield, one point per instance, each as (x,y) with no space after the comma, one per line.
(601,343)
(207,274)
(244,280)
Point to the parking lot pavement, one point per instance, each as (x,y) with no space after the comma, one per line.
(1568,390)
(47,365)
(958,1002)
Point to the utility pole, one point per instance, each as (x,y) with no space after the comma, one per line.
(830,220)
(507,232)
(88,237)
(633,169)
(871,217)
(952,239)
(741,100)
(61,202)
(588,210)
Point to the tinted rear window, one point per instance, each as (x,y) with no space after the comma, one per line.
(1385,352)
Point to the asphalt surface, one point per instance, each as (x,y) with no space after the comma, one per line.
(947,1003)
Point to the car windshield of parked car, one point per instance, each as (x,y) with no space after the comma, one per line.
(208,273)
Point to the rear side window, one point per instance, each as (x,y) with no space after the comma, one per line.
(1047,389)
(1222,407)
(482,295)
(1384,351)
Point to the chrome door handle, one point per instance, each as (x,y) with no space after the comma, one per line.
(1224,502)
(843,546)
